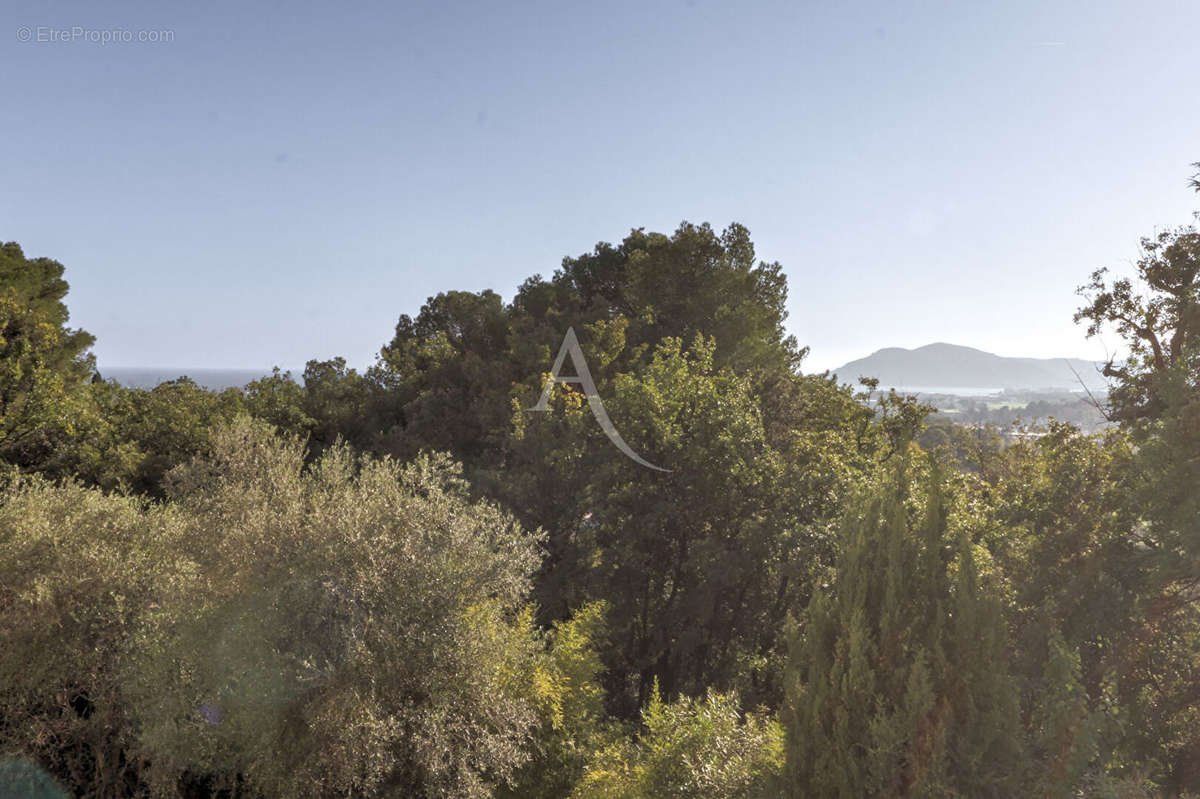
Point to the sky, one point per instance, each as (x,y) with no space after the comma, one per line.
(246,185)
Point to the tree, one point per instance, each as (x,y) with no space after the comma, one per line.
(44,365)
(78,571)
(1160,326)
(1156,398)
(278,400)
(356,627)
(446,376)
(129,438)
(337,400)
(898,683)
(1054,515)
(694,282)
(574,726)
(704,748)
(699,565)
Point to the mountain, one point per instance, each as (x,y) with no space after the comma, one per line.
(949,365)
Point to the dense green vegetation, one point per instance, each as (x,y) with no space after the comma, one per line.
(402,583)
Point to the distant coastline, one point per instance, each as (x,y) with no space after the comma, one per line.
(212,379)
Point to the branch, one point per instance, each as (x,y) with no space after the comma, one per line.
(1148,334)
(1095,403)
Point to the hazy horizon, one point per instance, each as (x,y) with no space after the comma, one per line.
(297,370)
(143,376)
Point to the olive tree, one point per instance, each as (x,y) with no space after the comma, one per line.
(355,627)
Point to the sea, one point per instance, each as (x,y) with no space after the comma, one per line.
(212,379)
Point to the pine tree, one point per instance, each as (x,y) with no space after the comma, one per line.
(897,684)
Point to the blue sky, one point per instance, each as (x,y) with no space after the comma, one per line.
(281,182)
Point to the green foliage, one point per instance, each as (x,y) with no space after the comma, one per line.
(699,565)
(1161,326)
(704,748)
(289,615)
(1156,397)
(694,282)
(1105,660)
(311,580)
(44,365)
(898,683)
(130,438)
(1067,730)
(447,377)
(338,401)
(78,571)
(354,628)
(278,400)
(574,725)
(1054,518)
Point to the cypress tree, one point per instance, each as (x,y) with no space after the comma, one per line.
(897,684)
